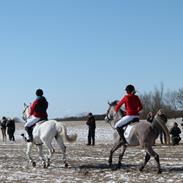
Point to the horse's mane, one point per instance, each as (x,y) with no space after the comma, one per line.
(114,103)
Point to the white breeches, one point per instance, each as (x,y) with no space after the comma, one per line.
(31,121)
(125,120)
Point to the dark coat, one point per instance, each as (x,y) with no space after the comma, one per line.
(91,122)
(175,131)
(11,126)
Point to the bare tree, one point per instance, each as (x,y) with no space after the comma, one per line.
(180,98)
(170,99)
(157,97)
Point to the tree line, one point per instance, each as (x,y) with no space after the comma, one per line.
(171,101)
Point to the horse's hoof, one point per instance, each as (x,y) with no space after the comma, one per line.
(110,164)
(44,165)
(159,171)
(141,168)
(53,150)
(33,164)
(119,165)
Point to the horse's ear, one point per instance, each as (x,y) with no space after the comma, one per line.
(109,103)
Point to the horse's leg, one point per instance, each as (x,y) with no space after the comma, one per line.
(4,135)
(147,158)
(2,130)
(63,148)
(50,152)
(121,155)
(40,150)
(156,157)
(28,153)
(116,146)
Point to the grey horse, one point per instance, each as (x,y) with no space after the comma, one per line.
(142,133)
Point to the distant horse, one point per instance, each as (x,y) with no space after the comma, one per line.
(43,133)
(141,133)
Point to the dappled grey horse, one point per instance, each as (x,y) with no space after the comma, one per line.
(141,133)
(43,134)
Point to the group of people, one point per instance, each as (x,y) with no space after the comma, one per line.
(7,127)
(133,105)
(175,131)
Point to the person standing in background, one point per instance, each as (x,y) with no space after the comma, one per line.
(91,129)
(175,132)
(11,129)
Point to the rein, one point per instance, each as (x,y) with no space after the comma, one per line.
(111,125)
(24,113)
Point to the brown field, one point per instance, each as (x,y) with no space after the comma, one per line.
(88,163)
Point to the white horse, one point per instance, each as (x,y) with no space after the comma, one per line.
(44,133)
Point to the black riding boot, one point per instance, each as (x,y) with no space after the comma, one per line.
(29,132)
(121,134)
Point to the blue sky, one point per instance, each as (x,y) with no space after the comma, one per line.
(83,53)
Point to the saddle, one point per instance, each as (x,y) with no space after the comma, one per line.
(41,121)
(134,120)
(31,128)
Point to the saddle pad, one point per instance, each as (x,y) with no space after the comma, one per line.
(128,130)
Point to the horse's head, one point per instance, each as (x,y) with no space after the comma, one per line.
(111,115)
(25,113)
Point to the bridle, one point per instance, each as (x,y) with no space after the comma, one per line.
(110,118)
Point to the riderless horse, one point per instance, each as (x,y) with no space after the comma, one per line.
(44,133)
(141,133)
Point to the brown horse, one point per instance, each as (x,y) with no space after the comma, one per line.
(141,133)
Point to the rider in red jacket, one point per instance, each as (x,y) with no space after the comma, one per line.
(133,106)
(38,112)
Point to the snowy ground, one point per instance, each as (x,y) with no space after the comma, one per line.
(88,163)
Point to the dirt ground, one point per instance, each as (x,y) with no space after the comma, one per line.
(88,163)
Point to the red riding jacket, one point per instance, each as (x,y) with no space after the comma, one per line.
(39,107)
(132,104)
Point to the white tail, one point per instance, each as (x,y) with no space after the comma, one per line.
(62,131)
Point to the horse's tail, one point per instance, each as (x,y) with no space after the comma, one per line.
(62,130)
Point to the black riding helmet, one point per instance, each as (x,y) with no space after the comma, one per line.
(39,92)
(130,89)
